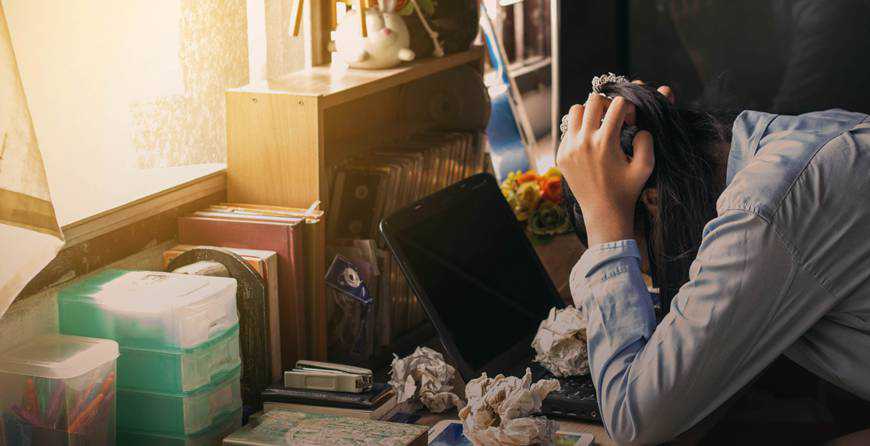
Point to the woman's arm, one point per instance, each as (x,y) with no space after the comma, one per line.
(735,315)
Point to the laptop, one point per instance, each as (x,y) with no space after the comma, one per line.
(482,285)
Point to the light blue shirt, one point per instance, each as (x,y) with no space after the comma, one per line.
(784,268)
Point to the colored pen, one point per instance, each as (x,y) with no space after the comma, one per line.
(83,400)
(86,414)
(25,416)
(30,403)
(107,383)
(54,405)
(42,391)
(106,408)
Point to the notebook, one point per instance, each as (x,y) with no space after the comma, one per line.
(282,427)
(373,404)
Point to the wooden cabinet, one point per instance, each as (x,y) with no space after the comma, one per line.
(283,135)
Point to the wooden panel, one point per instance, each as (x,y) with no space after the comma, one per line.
(315,304)
(354,126)
(273,149)
(336,88)
(143,208)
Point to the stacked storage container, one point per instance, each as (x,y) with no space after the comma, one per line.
(179,369)
(58,390)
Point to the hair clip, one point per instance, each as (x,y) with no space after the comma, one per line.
(598,82)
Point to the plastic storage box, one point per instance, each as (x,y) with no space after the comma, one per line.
(179,370)
(182,413)
(149,310)
(213,435)
(58,390)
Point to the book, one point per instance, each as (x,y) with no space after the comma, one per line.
(313,264)
(376,414)
(264,263)
(373,404)
(285,239)
(283,427)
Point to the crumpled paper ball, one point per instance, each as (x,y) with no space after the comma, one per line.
(560,343)
(424,376)
(498,411)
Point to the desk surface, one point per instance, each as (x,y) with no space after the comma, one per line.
(597,430)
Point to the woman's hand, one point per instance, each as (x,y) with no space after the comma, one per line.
(604,180)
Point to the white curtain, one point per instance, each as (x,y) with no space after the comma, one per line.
(29,233)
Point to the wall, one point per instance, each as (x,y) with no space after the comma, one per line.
(127,97)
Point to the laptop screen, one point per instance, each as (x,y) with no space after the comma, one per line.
(476,268)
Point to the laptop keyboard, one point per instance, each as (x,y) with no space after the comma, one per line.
(578,388)
(575,399)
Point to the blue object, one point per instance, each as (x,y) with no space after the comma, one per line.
(451,436)
(507,149)
(507,146)
(405,418)
(345,277)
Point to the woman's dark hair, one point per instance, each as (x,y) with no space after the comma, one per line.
(684,141)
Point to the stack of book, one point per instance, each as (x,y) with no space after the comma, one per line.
(369,187)
(286,245)
(373,404)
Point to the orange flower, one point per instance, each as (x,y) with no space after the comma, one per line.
(527,177)
(551,189)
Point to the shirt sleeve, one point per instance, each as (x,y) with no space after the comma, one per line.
(724,327)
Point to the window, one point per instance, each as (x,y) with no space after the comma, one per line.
(127,97)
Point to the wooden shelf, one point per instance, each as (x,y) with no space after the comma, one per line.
(284,135)
(331,87)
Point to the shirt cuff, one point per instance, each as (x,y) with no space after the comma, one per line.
(607,283)
(600,254)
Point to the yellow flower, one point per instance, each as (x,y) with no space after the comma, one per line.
(528,196)
(552,172)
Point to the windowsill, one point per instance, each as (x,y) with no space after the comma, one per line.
(154,191)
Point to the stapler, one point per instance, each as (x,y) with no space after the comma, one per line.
(315,375)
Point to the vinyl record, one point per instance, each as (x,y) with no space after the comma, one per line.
(453,100)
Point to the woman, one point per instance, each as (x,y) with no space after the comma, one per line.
(781,266)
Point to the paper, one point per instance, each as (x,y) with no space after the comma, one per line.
(561,343)
(424,376)
(499,411)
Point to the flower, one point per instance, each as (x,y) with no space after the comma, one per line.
(535,200)
(510,195)
(551,189)
(528,196)
(550,219)
(527,177)
(511,181)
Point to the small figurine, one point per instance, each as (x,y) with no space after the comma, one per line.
(386,45)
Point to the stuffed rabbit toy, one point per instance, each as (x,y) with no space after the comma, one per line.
(387,44)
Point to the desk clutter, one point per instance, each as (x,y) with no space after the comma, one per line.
(335,389)
(364,190)
(293,310)
(178,374)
